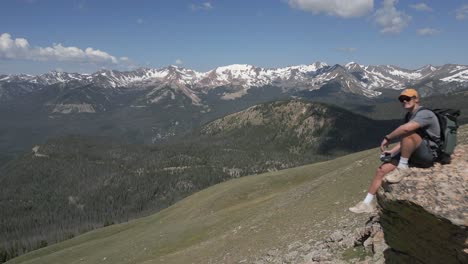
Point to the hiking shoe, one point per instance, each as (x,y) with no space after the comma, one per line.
(362,207)
(397,175)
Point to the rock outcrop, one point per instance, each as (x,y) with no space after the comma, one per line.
(351,242)
(425,216)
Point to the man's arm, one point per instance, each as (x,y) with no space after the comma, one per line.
(395,149)
(403,130)
(398,132)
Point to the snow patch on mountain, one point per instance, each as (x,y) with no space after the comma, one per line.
(164,91)
(157,99)
(308,68)
(461,76)
(406,75)
(458,68)
(353,66)
(73,108)
(234,95)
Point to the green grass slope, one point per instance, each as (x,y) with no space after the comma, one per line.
(235,221)
(231,221)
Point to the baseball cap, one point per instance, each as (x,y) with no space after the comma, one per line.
(410,92)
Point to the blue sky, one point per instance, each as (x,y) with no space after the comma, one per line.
(37,36)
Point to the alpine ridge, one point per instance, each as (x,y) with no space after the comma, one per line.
(364,80)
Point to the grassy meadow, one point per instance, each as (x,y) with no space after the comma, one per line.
(234,221)
(229,222)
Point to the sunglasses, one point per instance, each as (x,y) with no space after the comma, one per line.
(405,98)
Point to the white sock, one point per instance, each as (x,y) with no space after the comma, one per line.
(369,198)
(403,164)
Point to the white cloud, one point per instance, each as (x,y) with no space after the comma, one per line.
(179,61)
(421,7)
(462,12)
(347,49)
(390,19)
(428,31)
(202,6)
(10,48)
(19,48)
(340,8)
(140,20)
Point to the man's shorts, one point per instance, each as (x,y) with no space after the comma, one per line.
(422,157)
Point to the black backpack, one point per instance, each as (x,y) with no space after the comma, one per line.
(448,132)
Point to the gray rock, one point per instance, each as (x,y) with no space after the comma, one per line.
(294,245)
(336,236)
(420,215)
(291,256)
(273,252)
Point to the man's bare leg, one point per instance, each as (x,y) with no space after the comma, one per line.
(366,206)
(408,145)
(379,175)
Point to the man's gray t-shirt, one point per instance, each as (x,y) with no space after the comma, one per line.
(428,122)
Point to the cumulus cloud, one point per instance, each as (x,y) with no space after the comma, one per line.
(390,19)
(19,48)
(428,31)
(462,12)
(340,8)
(347,49)
(421,7)
(12,48)
(202,6)
(179,62)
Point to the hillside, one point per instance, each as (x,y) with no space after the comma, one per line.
(74,184)
(241,220)
(299,126)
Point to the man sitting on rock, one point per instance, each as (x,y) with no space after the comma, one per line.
(415,147)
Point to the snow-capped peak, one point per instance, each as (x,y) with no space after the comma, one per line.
(308,68)
(358,78)
(353,66)
(235,69)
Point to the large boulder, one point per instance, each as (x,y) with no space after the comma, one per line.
(425,216)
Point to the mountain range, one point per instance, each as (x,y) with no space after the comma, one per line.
(96,92)
(153,105)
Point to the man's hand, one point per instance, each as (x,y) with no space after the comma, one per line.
(384,145)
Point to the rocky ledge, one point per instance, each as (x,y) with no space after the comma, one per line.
(425,216)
